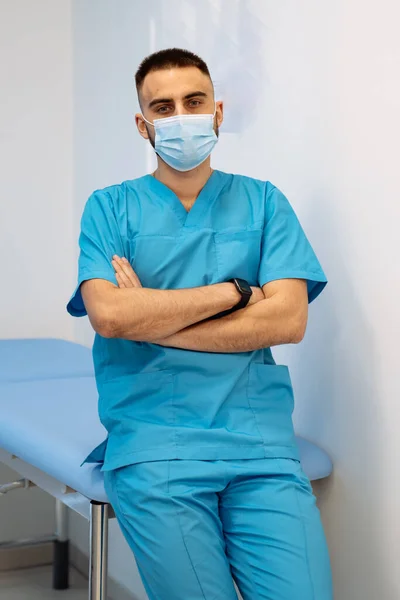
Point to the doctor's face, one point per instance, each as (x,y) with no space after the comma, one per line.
(176,91)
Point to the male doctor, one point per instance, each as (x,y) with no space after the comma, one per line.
(189,275)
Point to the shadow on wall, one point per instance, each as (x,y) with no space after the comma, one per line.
(337,406)
(228,36)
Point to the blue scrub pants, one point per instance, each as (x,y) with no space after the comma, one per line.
(193,525)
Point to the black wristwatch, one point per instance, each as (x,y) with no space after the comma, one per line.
(245,291)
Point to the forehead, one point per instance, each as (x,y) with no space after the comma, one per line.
(175,83)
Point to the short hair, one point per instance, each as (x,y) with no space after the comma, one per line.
(168,59)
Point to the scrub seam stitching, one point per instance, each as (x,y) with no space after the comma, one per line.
(115,489)
(216,252)
(254,589)
(175,431)
(251,408)
(305,542)
(186,548)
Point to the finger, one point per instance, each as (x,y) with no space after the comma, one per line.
(127,272)
(121,273)
(120,283)
(125,267)
(130,272)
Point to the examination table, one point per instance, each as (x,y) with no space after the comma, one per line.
(49,424)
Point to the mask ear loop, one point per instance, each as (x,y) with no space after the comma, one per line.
(147,121)
(214,115)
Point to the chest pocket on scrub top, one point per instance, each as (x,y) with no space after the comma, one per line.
(238,254)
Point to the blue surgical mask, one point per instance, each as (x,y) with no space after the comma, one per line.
(184,141)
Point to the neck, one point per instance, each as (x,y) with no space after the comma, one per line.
(188,185)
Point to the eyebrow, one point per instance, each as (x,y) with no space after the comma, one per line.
(167,100)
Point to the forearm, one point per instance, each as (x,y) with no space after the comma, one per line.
(261,325)
(145,314)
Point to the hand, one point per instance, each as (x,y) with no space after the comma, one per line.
(256,296)
(127,278)
(125,275)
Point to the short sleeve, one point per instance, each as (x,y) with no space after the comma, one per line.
(99,240)
(286,252)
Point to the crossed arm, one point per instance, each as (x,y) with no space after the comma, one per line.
(277,314)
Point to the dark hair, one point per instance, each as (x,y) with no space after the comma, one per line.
(167,59)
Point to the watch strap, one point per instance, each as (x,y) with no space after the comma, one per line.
(242,302)
(244,297)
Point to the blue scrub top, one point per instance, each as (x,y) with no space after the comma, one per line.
(161,403)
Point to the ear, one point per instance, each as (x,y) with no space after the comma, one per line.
(141,126)
(219,114)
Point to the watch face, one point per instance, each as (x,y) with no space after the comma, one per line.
(244,286)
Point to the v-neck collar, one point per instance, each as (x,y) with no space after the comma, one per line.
(206,197)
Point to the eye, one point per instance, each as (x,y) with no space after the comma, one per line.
(163,109)
(194,103)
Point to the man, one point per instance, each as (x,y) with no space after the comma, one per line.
(189,275)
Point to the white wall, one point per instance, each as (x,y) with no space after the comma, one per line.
(109,41)
(36,217)
(36,225)
(312,94)
(314,91)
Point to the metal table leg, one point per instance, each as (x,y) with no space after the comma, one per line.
(61,548)
(98,551)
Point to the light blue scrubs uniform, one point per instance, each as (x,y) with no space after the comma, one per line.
(201,463)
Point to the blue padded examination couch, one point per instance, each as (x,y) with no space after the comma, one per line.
(48,425)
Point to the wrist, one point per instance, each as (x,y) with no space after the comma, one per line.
(235,295)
